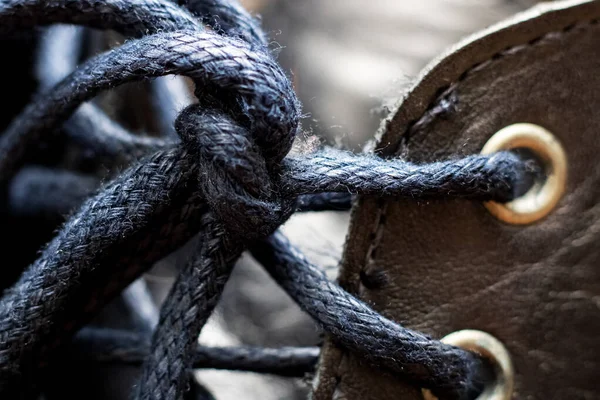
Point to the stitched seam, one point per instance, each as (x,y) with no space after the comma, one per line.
(338,376)
(436,108)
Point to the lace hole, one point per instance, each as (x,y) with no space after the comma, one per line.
(491,348)
(544,194)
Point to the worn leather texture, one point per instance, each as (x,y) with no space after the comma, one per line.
(442,266)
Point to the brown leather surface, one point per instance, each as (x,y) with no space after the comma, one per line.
(449,264)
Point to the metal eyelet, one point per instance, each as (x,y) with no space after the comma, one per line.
(491,348)
(544,195)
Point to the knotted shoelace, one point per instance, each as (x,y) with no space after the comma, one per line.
(224,173)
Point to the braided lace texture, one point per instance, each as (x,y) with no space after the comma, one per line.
(226,175)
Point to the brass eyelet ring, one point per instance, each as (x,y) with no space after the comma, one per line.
(543,196)
(491,348)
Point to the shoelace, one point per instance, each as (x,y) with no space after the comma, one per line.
(226,175)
